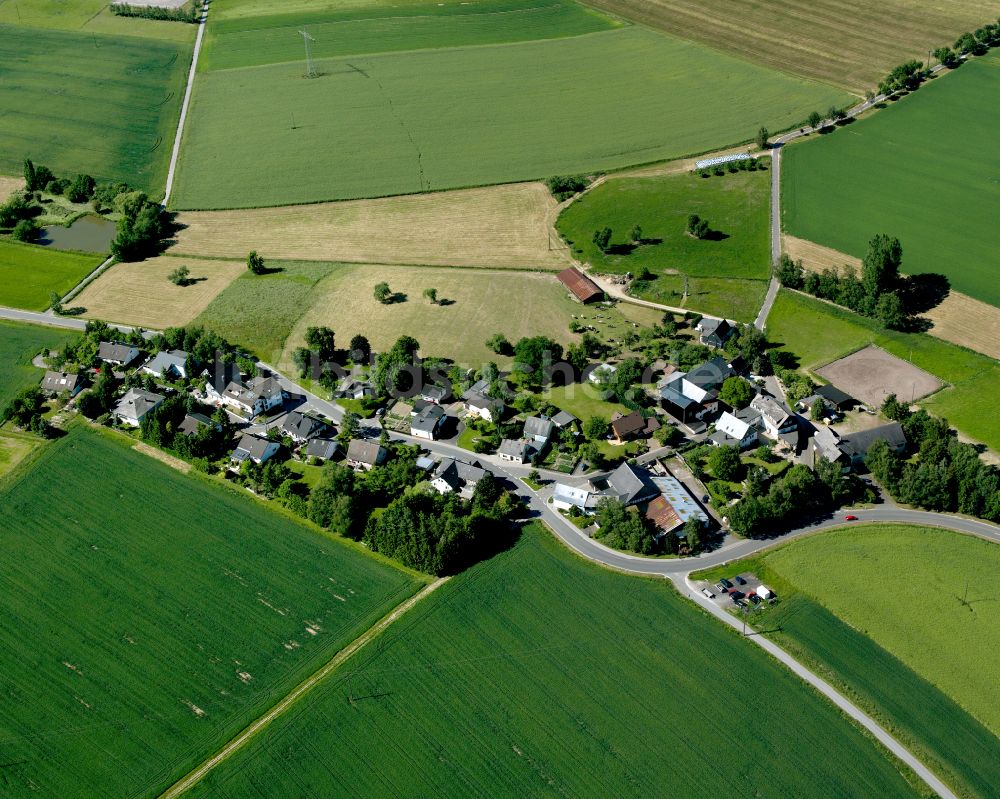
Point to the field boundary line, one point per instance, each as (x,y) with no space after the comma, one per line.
(175,153)
(194,777)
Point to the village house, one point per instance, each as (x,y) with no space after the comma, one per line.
(254,448)
(301,427)
(322,448)
(631,485)
(480,404)
(194,423)
(538,429)
(133,407)
(168,365)
(775,419)
(428,422)
(633,426)
(714,332)
(56,383)
(455,476)
(690,396)
(353,388)
(850,450)
(218,377)
(117,354)
(518,451)
(733,431)
(261,395)
(365,455)
(435,394)
(566,496)
(565,419)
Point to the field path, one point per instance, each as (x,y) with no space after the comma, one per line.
(175,153)
(193,778)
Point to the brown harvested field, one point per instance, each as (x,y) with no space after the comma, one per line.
(872,374)
(848,43)
(960,319)
(140,293)
(496,226)
(479,303)
(8,185)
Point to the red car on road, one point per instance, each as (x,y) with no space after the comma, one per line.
(850,518)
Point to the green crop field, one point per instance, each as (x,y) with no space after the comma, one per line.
(407,122)
(901,172)
(150,616)
(619,688)
(818,333)
(85,102)
(28,273)
(18,345)
(880,609)
(245,42)
(89,16)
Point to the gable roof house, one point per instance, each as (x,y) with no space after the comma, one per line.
(427,423)
(353,388)
(365,454)
(538,429)
(435,393)
(714,332)
(117,354)
(516,451)
(55,383)
(836,398)
(218,376)
(732,431)
(301,427)
(631,484)
(322,448)
(850,450)
(632,426)
(775,419)
(580,286)
(255,448)
(262,394)
(133,407)
(564,419)
(193,423)
(600,372)
(565,497)
(695,394)
(454,476)
(168,364)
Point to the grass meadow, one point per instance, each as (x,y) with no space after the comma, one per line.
(246,42)
(848,43)
(408,122)
(19,344)
(538,674)
(150,616)
(818,333)
(89,16)
(725,297)
(93,103)
(908,172)
(28,273)
(879,609)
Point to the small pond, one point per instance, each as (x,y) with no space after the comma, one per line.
(87,234)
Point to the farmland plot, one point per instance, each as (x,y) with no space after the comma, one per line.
(20,343)
(150,616)
(536,674)
(30,273)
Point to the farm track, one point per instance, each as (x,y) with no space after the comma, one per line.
(186,783)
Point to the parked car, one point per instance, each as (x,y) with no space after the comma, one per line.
(740,603)
(739,580)
(754,599)
(725,582)
(708,593)
(734,595)
(721,588)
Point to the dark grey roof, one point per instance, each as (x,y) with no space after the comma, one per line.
(221,373)
(538,426)
(58,382)
(515,448)
(710,374)
(251,446)
(193,422)
(858,444)
(321,448)
(716,331)
(167,360)
(457,473)
(266,387)
(107,351)
(564,418)
(370,453)
(435,393)
(833,394)
(480,387)
(675,397)
(301,425)
(632,484)
(137,403)
(428,419)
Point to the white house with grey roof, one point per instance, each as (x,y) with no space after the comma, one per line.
(117,354)
(538,429)
(427,423)
(254,448)
(732,431)
(775,419)
(56,383)
(516,450)
(133,407)
(168,365)
(455,476)
(301,427)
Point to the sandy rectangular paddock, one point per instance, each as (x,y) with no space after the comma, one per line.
(872,374)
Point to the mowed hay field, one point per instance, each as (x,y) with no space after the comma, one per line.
(397,123)
(848,43)
(915,663)
(959,318)
(28,273)
(818,333)
(905,172)
(617,689)
(491,226)
(141,294)
(85,102)
(19,343)
(8,185)
(89,16)
(244,42)
(149,616)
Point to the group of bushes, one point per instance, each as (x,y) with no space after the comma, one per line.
(732,167)
(189,12)
(946,475)
(625,529)
(563,187)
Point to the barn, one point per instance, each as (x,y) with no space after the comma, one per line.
(581,286)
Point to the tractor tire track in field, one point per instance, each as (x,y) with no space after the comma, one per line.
(187,782)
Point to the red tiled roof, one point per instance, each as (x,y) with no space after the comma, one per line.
(582,286)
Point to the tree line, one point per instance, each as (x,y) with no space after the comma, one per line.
(186,13)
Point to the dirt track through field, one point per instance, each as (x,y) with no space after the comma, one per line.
(960,319)
(186,783)
(492,226)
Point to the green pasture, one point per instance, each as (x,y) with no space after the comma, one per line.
(818,333)
(238,9)
(29,272)
(432,119)
(149,617)
(88,16)
(725,297)
(736,205)
(879,608)
(19,344)
(93,103)
(617,688)
(924,170)
(254,41)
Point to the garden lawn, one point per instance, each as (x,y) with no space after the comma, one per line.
(818,333)
(150,616)
(879,608)
(19,344)
(93,103)
(477,693)
(29,273)
(736,206)
(254,41)
(905,172)
(424,120)
(583,400)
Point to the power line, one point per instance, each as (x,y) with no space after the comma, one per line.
(310,67)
